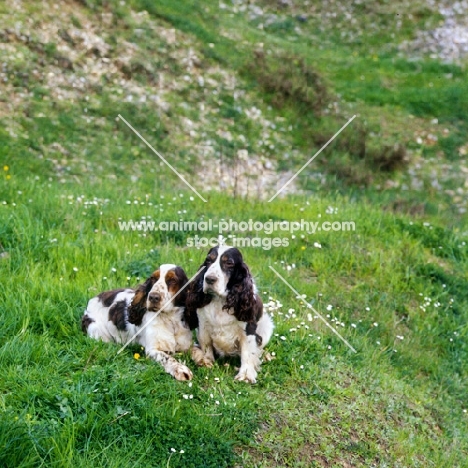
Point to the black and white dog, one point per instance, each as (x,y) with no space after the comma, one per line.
(230,313)
(118,315)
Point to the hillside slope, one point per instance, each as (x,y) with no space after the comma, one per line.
(237,96)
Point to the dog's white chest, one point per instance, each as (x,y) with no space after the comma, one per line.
(166,332)
(224,329)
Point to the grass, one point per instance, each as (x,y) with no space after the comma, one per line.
(60,388)
(396,288)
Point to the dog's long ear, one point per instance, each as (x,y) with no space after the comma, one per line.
(190,316)
(191,301)
(182,280)
(138,306)
(240,296)
(196,298)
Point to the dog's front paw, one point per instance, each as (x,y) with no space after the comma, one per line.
(248,375)
(200,358)
(182,372)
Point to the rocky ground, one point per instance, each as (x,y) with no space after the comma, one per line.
(449,41)
(70,54)
(75,56)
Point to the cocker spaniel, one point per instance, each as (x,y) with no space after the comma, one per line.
(152,315)
(230,313)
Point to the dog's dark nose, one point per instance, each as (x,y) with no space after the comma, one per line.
(154,297)
(210,280)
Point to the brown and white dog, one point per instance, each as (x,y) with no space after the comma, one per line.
(118,315)
(230,313)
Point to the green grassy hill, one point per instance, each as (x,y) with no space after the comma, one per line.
(237,97)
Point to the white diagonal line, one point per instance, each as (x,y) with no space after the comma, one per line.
(310,307)
(162,158)
(160,310)
(312,158)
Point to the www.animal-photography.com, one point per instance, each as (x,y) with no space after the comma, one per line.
(233,233)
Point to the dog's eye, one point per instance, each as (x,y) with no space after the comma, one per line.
(230,263)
